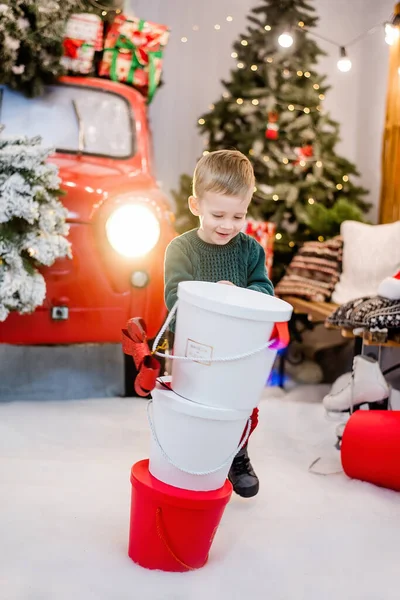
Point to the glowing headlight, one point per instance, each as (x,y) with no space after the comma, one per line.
(133,230)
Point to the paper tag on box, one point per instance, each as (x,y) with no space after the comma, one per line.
(200,353)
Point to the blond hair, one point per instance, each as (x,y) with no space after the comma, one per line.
(227,172)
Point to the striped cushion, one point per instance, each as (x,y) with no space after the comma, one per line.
(314,271)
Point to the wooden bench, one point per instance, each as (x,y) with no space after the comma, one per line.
(320,311)
(316,311)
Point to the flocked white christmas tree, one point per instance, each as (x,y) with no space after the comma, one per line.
(32,223)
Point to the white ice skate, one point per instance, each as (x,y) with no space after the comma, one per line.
(367,385)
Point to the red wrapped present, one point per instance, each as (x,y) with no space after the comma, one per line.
(133,53)
(264,233)
(83,36)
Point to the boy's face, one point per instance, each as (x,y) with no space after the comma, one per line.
(221,217)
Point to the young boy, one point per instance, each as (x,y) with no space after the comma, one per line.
(223,185)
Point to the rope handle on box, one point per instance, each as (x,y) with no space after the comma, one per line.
(156,348)
(198,473)
(161,534)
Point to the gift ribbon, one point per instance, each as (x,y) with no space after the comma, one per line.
(124,43)
(71,47)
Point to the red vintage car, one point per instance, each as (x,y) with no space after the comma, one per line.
(120,221)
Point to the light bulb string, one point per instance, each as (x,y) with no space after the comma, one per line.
(351,43)
(324,38)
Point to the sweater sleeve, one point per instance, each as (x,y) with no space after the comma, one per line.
(257,278)
(178,267)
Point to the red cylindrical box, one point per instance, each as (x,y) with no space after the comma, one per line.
(370,448)
(172,529)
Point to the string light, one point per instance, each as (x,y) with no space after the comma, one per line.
(240,65)
(205,152)
(300,73)
(254,67)
(286,72)
(345,177)
(240,100)
(307,110)
(321,238)
(307,74)
(184,40)
(318,108)
(278,236)
(285,40)
(275,197)
(226,95)
(303,163)
(285,161)
(265,158)
(201,122)
(339,186)
(270,59)
(392,31)
(316,86)
(344,63)
(251,152)
(318,164)
(234,55)
(255,102)
(211,107)
(291,107)
(244,43)
(291,244)
(321,96)
(311,201)
(104,13)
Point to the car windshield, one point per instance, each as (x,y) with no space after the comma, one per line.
(71,119)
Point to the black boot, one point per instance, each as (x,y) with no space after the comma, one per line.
(242,477)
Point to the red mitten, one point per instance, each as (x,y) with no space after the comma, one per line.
(390,287)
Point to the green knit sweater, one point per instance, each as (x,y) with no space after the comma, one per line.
(241,261)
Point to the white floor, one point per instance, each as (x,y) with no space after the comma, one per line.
(64,511)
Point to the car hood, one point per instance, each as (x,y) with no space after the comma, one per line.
(87,183)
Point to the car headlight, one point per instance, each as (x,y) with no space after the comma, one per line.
(133,230)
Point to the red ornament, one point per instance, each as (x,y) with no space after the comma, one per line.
(304,153)
(272,131)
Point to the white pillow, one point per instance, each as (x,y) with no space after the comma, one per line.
(370,253)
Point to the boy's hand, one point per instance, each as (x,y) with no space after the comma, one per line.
(227,283)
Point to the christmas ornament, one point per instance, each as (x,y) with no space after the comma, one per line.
(133,53)
(272,131)
(303,153)
(135,344)
(83,37)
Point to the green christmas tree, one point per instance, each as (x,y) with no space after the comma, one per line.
(272,111)
(33,225)
(31,38)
